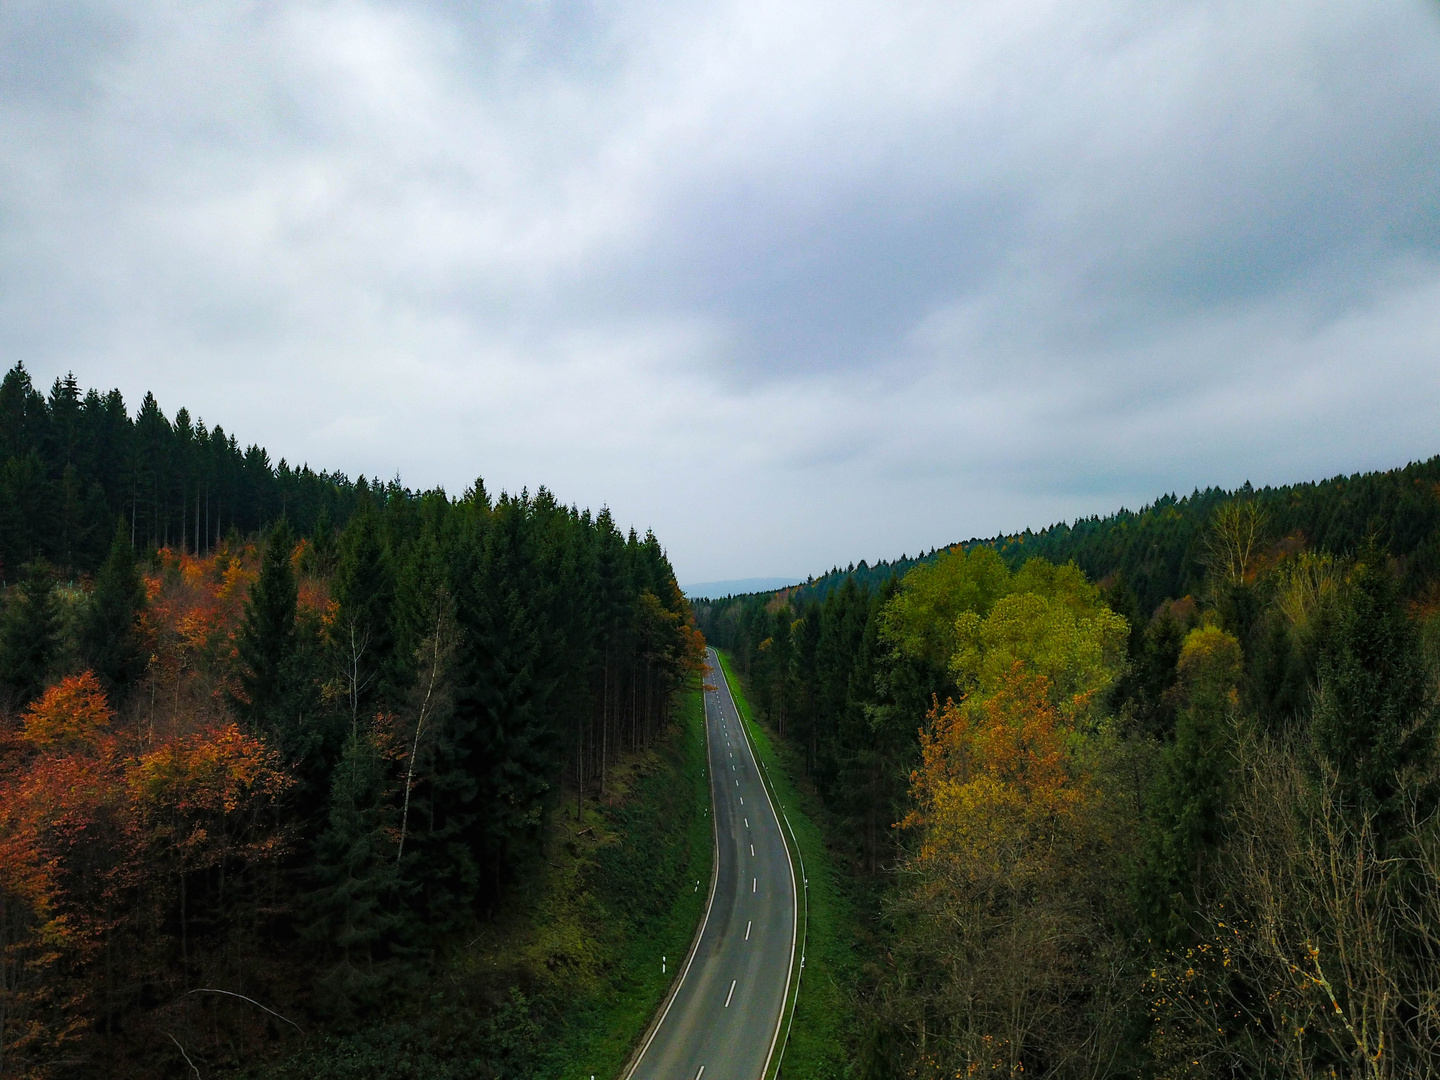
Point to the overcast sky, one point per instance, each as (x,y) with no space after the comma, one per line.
(793,283)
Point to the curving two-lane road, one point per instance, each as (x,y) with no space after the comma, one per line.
(723,1020)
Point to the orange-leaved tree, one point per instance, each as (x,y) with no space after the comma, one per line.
(72,714)
(999,763)
(102,827)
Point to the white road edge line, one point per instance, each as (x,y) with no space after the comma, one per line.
(732,992)
(700,934)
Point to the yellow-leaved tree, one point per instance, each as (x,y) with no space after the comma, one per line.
(1021,825)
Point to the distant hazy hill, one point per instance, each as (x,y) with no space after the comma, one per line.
(716,589)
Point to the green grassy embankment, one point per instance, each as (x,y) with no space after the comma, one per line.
(643,885)
(823,1034)
(567,977)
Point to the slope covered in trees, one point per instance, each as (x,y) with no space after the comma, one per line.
(266,766)
(1159,548)
(1153,795)
(71,463)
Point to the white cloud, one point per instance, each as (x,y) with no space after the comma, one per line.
(796,284)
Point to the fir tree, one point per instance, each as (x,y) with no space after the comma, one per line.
(1374,713)
(110,636)
(356,919)
(1188,804)
(267,639)
(28,635)
(502,702)
(364,589)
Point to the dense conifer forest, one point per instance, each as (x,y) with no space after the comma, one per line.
(1155,794)
(275,744)
(1158,548)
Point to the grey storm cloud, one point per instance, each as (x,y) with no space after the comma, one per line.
(794,284)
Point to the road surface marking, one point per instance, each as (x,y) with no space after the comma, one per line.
(752,851)
(747,823)
(700,1073)
(742,800)
(747,929)
(732,992)
(753,882)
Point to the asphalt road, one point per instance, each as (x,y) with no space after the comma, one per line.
(724,1017)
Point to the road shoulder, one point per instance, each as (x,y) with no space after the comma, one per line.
(822,1021)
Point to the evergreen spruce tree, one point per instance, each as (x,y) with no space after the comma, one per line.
(356,920)
(1188,804)
(888,690)
(837,654)
(364,589)
(110,636)
(1375,714)
(420,584)
(781,677)
(503,699)
(28,635)
(267,638)
(322,553)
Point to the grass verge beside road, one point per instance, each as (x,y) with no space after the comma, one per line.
(823,1034)
(652,877)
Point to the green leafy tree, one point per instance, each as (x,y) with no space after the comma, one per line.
(506,683)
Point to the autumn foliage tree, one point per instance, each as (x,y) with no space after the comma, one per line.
(1018,831)
(104,829)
